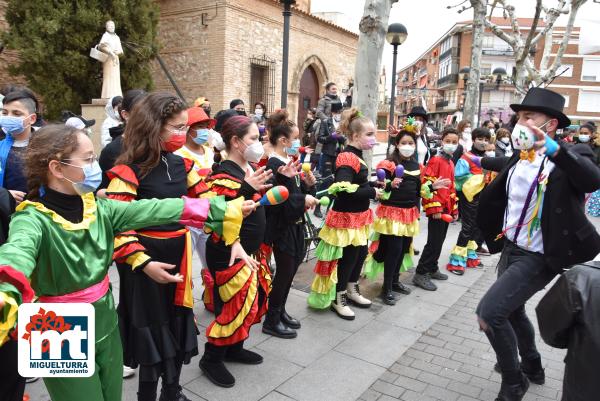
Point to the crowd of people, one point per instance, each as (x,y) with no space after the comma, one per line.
(172,180)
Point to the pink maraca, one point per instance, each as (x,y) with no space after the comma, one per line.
(380,174)
(399,170)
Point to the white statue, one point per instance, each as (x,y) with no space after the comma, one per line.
(110,45)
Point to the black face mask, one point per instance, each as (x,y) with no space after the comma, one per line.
(207,110)
(241,112)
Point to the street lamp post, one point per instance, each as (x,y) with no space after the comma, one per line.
(287,13)
(498,72)
(396,35)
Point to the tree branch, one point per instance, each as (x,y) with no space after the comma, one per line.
(500,33)
(551,17)
(536,18)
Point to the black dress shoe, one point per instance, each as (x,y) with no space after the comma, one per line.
(401,288)
(535,374)
(388,298)
(289,321)
(274,326)
(513,392)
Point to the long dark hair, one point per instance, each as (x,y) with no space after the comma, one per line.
(395,155)
(141,141)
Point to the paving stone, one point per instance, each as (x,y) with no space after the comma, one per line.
(441,393)
(419,355)
(402,370)
(415,396)
(438,351)
(370,395)
(275,396)
(387,388)
(411,384)
(434,379)
(426,367)
(389,376)
(464,389)
(427,339)
(445,363)
(455,375)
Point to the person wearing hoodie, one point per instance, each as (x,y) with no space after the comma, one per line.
(112,118)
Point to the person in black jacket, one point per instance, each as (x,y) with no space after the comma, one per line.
(12,385)
(332,141)
(536,204)
(285,231)
(569,317)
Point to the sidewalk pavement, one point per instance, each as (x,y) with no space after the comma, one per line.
(426,347)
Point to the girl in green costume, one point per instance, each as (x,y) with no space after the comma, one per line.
(61,242)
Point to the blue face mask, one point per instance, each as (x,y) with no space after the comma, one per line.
(201,136)
(12,125)
(293,150)
(93,178)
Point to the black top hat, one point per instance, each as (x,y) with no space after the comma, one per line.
(544,101)
(418,111)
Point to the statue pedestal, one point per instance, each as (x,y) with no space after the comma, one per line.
(96,111)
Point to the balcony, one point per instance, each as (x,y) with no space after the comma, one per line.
(507,51)
(441,104)
(423,71)
(448,80)
(453,51)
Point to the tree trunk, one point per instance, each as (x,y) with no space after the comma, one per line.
(373,27)
(472,89)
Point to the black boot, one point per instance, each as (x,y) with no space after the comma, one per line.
(513,389)
(387,295)
(172,393)
(213,367)
(401,288)
(275,327)
(533,370)
(288,320)
(237,353)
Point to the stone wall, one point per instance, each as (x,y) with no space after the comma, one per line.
(214,60)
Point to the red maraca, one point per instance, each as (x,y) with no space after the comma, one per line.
(274,196)
(399,170)
(447,218)
(380,174)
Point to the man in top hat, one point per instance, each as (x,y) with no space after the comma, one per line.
(533,212)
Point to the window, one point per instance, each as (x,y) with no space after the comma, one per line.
(590,71)
(565,70)
(445,67)
(588,101)
(488,41)
(446,44)
(262,81)
(567,97)
(486,69)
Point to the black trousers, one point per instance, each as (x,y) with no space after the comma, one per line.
(12,385)
(436,235)
(287,266)
(468,215)
(350,266)
(391,252)
(502,309)
(326,169)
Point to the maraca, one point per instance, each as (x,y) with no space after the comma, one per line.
(274,196)
(380,174)
(324,201)
(447,218)
(399,170)
(306,167)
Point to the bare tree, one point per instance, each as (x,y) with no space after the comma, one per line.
(524,43)
(373,27)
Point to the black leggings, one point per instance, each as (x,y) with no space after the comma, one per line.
(391,251)
(147,389)
(350,266)
(12,385)
(287,266)
(468,214)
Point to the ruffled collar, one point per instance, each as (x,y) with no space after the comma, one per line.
(89,213)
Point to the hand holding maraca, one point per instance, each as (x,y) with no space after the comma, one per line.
(274,196)
(310,201)
(380,173)
(309,177)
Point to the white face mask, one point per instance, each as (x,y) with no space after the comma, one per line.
(522,137)
(337,118)
(449,148)
(258,112)
(467,132)
(406,150)
(584,138)
(505,140)
(254,152)
(492,131)
(490,153)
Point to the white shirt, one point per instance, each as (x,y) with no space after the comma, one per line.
(421,150)
(518,184)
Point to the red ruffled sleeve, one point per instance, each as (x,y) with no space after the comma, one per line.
(347,159)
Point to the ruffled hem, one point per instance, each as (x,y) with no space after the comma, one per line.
(391,227)
(344,186)
(372,268)
(322,291)
(328,252)
(158,348)
(348,219)
(400,214)
(344,237)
